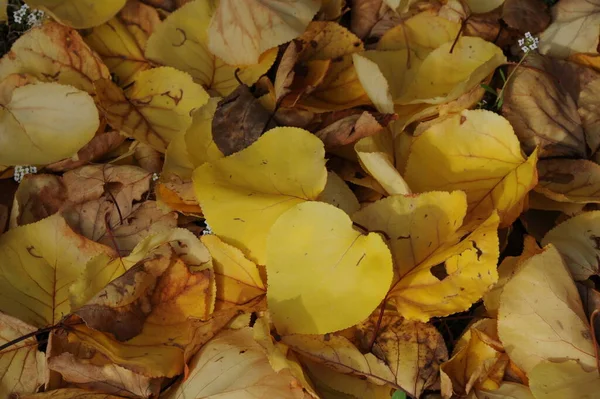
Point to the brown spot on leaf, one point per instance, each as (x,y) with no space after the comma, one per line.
(439,271)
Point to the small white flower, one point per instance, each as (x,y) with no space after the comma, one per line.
(20,172)
(155,176)
(207,229)
(528,43)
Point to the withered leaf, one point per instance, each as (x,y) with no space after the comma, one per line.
(542,110)
(526,15)
(352,128)
(239,121)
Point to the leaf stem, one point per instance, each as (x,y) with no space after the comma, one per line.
(29,335)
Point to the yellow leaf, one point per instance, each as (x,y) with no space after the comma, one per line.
(442,76)
(156,108)
(541,316)
(477,152)
(44,123)
(3,10)
(70,393)
(243,194)
(238,279)
(101,270)
(233,365)
(506,270)
(422,34)
(442,267)
(198,138)
(376,156)
(574,29)
(549,380)
(121,41)
(578,241)
(412,350)
(40,262)
(79,14)
(354,271)
(338,194)
(22,367)
(181,41)
(339,89)
(240,32)
(569,180)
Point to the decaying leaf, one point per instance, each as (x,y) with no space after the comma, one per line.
(239,121)
(412,350)
(46,53)
(574,29)
(22,367)
(541,316)
(242,195)
(355,271)
(442,267)
(578,241)
(569,180)
(542,110)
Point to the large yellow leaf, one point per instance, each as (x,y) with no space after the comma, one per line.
(40,262)
(541,316)
(574,29)
(70,393)
(549,380)
(442,76)
(47,53)
(233,365)
(238,279)
(243,194)
(79,14)
(578,241)
(181,41)
(121,41)
(477,152)
(323,275)
(156,108)
(44,123)
(506,390)
(22,367)
(239,32)
(442,268)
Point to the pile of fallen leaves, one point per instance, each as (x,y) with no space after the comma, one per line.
(301,199)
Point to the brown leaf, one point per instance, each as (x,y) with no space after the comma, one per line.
(352,128)
(569,180)
(101,144)
(37,197)
(591,302)
(542,110)
(487,26)
(526,15)
(148,158)
(8,187)
(412,350)
(84,367)
(364,15)
(239,121)
(589,109)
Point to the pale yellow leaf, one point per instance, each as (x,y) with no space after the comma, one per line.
(550,380)
(79,14)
